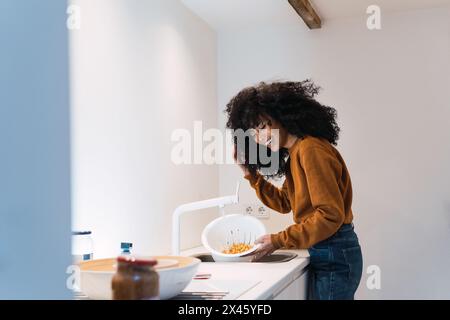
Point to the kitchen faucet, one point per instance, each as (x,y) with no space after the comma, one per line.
(220,202)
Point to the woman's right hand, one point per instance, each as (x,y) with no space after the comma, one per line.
(243,168)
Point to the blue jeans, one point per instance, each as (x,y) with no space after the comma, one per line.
(335,266)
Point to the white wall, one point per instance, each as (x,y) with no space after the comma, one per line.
(35,150)
(392,91)
(140,69)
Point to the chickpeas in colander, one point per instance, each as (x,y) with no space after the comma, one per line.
(237,248)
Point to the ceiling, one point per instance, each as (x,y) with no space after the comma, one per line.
(225,14)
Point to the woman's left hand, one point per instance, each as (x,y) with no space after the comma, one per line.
(265,249)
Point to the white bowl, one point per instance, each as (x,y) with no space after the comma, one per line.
(235,228)
(96,277)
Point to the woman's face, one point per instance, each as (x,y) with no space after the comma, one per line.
(270,133)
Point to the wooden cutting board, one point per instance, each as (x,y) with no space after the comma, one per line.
(109,265)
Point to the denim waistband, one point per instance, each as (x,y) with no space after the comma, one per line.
(344,234)
(346,227)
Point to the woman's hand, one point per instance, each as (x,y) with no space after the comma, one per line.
(266,248)
(243,168)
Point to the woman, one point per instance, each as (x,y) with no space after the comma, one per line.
(317,186)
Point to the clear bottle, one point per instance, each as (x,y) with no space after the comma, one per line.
(125,248)
(135,279)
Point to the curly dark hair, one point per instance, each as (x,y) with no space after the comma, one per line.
(290,103)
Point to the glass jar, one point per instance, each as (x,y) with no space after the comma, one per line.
(82,246)
(135,279)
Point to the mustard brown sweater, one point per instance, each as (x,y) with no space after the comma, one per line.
(317,189)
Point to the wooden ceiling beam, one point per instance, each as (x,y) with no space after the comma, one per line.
(307,12)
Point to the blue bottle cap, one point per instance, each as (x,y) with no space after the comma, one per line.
(126,245)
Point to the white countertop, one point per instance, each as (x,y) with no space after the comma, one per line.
(269,278)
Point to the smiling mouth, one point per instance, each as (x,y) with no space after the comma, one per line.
(268,142)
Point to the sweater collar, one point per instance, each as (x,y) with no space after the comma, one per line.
(295,146)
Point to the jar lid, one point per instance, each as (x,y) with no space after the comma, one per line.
(137,261)
(81,233)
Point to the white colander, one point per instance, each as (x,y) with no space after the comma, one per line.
(234,228)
